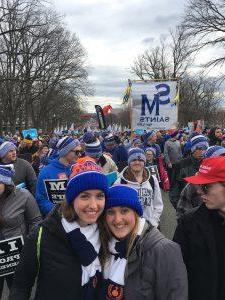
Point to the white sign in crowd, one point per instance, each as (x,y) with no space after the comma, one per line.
(153,105)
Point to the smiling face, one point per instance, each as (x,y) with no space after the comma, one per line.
(88,206)
(121,221)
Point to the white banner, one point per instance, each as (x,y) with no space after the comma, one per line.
(153,105)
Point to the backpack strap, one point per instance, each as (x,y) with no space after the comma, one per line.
(152,182)
(39,246)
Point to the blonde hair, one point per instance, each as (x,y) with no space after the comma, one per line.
(106,235)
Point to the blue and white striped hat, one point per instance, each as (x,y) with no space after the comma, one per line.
(214,151)
(5,148)
(6,174)
(93,146)
(199,141)
(65,145)
(136,153)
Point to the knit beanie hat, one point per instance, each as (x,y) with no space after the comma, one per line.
(149,134)
(109,140)
(65,145)
(86,180)
(123,195)
(136,153)
(5,148)
(6,174)
(136,140)
(152,150)
(199,141)
(93,146)
(214,151)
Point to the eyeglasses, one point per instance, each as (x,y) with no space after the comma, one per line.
(205,188)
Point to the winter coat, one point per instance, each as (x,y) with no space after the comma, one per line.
(172,152)
(165,184)
(120,157)
(20,213)
(196,237)
(55,170)
(155,269)
(184,168)
(59,275)
(151,201)
(24,173)
(189,199)
(107,164)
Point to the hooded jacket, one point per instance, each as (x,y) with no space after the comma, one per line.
(151,201)
(20,213)
(55,170)
(155,269)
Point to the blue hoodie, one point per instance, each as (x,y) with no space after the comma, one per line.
(55,170)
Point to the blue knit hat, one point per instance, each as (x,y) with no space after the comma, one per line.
(199,141)
(149,135)
(109,140)
(153,150)
(6,174)
(214,151)
(90,180)
(123,195)
(5,148)
(136,153)
(93,146)
(65,145)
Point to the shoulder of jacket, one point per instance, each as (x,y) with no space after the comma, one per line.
(156,243)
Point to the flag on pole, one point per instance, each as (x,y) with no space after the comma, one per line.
(127,92)
(101,117)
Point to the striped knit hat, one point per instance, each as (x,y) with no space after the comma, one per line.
(65,145)
(199,141)
(214,151)
(93,146)
(5,148)
(109,140)
(149,134)
(6,174)
(136,153)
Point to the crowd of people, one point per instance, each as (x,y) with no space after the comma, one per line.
(89,237)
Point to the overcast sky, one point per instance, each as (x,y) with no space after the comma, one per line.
(114,32)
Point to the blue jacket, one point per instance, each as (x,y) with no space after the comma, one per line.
(55,170)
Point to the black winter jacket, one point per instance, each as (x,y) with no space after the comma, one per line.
(59,276)
(195,235)
(184,168)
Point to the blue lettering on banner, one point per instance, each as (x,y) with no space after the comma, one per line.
(157,100)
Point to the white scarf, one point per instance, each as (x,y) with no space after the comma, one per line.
(114,269)
(86,243)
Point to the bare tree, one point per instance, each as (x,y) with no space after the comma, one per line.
(168,60)
(204,22)
(39,61)
(198,99)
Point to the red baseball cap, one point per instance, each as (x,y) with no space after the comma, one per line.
(211,170)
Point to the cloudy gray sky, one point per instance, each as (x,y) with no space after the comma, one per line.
(114,32)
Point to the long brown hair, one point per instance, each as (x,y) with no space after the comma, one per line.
(106,235)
